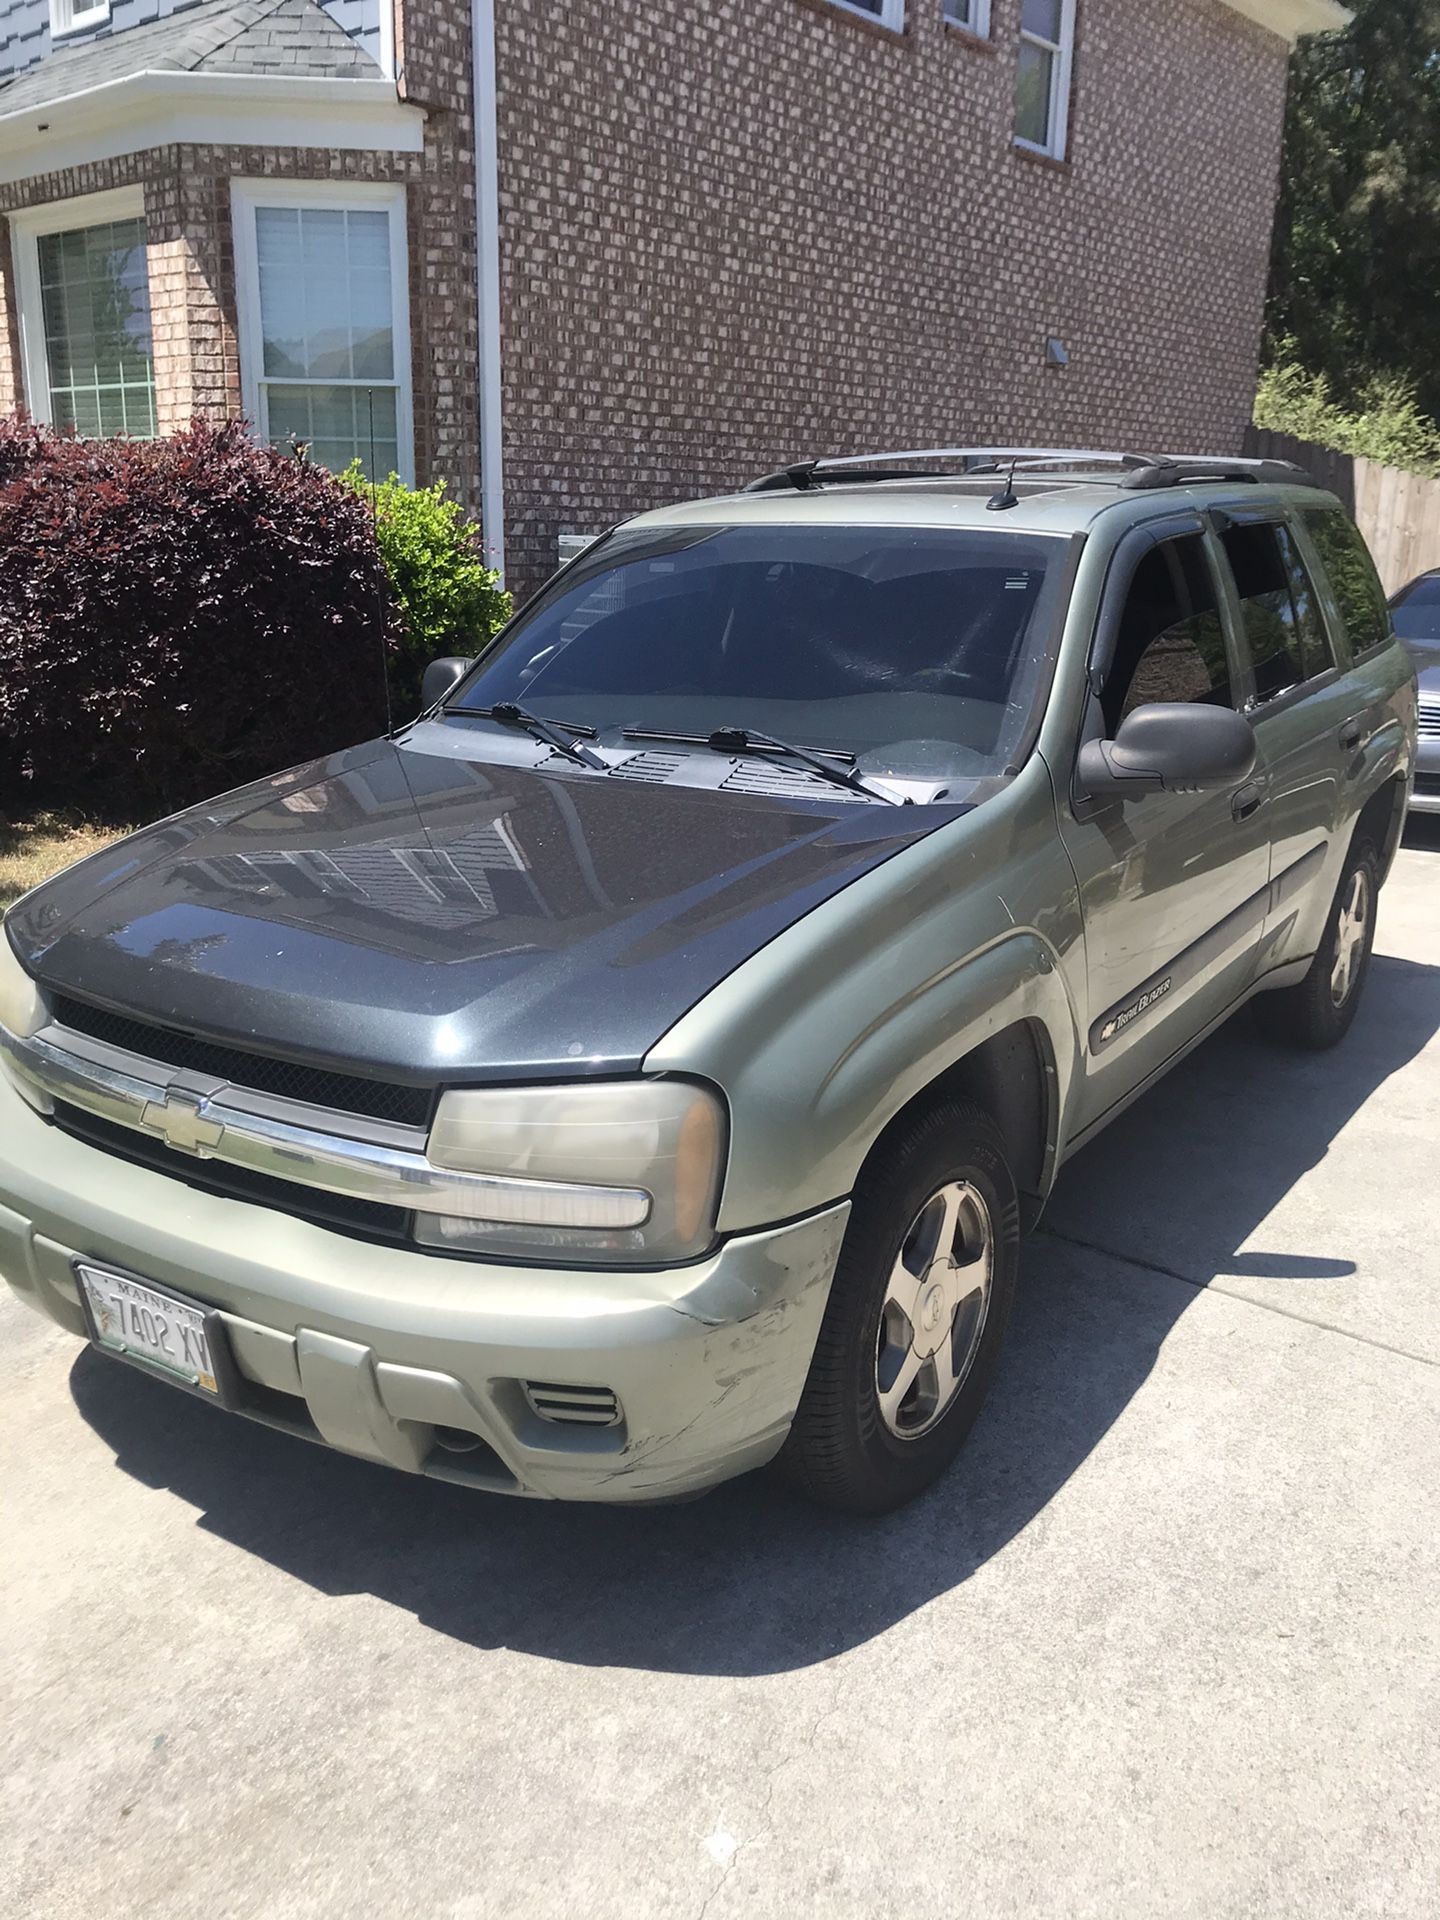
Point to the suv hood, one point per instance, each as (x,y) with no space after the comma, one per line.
(440,917)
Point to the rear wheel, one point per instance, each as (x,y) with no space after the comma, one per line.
(1317,1013)
(916,1315)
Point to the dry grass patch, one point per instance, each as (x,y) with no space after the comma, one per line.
(31,850)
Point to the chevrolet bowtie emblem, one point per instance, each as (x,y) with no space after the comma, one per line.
(180,1119)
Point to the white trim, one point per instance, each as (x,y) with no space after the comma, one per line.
(978,22)
(146,110)
(66,17)
(387,38)
(26,227)
(245,197)
(1062,55)
(891,14)
(1291,18)
(487,284)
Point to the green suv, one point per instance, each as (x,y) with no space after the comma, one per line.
(647,1063)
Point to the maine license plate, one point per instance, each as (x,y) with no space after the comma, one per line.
(145,1323)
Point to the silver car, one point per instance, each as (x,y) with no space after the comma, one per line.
(1416,613)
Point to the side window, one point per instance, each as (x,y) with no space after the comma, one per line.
(1272,626)
(1316,655)
(1352,576)
(1170,644)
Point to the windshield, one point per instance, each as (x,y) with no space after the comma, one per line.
(921,651)
(1417,611)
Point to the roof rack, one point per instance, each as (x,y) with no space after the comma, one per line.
(1139,470)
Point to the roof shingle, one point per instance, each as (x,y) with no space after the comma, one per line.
(295,38)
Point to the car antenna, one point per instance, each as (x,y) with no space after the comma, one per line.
(380,567)
(1007,497)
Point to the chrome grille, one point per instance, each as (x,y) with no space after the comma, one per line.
(369,1219)
(1429,716)
(289,1079)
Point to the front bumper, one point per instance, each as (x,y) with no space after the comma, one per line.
(402,1356)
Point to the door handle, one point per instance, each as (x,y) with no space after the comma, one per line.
(1247,799)
(1352,735)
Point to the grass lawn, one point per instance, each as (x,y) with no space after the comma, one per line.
(30,849)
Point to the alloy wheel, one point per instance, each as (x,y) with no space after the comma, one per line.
(1350,931)
(933,1315)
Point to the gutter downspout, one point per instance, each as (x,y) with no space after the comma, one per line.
(487,282)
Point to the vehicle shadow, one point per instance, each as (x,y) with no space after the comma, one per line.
(749,1580)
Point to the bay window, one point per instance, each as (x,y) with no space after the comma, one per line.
(83,283)
(321,273)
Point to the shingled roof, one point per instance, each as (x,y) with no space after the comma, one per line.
(289,39)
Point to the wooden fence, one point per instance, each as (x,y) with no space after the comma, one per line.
(1398,513)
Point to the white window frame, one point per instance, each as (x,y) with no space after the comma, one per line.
(246,196)
(1063,50)
(75,16)
(27,225)
(891,14)
(977,20)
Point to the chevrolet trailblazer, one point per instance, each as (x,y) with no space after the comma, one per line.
(646,1064)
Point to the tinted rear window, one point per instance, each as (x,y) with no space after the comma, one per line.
(920,650)
(1351,572)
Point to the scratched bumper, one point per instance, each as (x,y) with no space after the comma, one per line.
(403,1357)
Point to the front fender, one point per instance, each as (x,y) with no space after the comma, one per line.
(825,1035)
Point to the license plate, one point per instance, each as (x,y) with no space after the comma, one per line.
(147,1323)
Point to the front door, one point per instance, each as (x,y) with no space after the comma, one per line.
(1173,886)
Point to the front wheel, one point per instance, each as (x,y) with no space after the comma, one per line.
(1317,1013)
(917,1312)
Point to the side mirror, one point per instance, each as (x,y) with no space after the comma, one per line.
(440,677)
(1169,748)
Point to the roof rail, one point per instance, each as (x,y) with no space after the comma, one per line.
(1141,470)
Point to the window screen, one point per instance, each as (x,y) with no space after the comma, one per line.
(95,308)
(330,377)
(1352,576)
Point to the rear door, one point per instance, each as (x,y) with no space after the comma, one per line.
(1301,701)
(1173,886)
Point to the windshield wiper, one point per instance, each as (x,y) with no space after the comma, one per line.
(559,734)
(747,740)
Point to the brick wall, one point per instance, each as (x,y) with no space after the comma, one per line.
(743,232)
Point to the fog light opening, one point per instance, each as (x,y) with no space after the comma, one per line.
(457,1440)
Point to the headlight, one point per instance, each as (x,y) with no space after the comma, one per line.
(22,1010)
(620,1171)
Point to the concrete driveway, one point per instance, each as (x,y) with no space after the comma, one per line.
(1167,1642)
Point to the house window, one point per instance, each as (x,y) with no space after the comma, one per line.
(324,321)
(889,13)
(77,16)
(84,301)
(972,15)
(1042,78)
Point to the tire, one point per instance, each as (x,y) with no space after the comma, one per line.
(877,1423)
(1317,1013)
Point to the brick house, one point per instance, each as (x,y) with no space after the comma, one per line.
(579,259)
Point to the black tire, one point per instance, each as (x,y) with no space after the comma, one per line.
(1313,1014)
(842,1451)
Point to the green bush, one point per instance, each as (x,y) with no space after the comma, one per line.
(1387,425)
(449,600)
